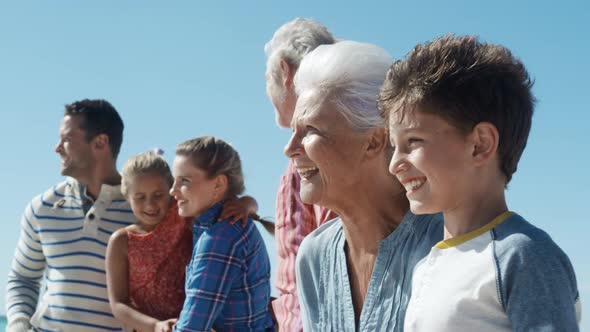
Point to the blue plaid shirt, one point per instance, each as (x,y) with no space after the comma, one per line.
(227,279)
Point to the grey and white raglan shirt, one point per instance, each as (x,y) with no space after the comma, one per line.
(506,276)
(64,235)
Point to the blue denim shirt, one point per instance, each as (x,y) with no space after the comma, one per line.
(323,283)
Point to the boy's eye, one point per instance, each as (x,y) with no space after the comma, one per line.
(414,140)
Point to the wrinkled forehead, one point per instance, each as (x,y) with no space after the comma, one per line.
(309,103)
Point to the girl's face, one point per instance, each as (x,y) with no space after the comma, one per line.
(149,198)
(193,189)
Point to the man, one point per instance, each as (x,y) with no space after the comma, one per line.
(65,230)
(294,219)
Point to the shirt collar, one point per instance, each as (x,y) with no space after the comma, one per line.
(210,216)
(110,192)
(107,192)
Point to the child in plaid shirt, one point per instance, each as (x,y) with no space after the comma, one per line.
(227,279)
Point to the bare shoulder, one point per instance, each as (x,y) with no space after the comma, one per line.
(118,239)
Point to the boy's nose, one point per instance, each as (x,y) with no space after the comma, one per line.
(397,165)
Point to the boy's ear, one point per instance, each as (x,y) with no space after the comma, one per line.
(377,142)
(486,139)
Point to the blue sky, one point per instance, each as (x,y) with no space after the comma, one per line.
(178,70)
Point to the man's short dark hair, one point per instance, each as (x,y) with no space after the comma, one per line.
(99,117)
(465,82)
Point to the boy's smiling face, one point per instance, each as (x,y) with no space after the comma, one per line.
(433,160)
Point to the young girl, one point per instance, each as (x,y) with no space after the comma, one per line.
(227,281)
(146,261)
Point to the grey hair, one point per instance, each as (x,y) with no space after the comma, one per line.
(293,41)
(349,75)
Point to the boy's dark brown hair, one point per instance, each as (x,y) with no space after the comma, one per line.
(466,82)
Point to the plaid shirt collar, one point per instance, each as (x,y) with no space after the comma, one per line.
(210,216)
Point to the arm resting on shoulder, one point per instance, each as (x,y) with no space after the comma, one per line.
(238,209)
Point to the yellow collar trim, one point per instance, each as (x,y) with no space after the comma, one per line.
(453,242)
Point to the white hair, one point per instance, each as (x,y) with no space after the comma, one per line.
(350,75)
(293,41)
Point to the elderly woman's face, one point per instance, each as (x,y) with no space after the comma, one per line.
(326,151)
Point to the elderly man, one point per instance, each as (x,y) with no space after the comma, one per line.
(294,219)
(65,230)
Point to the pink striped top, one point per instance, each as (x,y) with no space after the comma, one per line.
(294,220)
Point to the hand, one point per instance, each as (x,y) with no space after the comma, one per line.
(165,325)
(238,209)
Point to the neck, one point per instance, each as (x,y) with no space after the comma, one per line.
(477,210)
(204,213)
(371,212)
(98,177)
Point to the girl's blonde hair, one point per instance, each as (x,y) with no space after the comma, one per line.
(144,163)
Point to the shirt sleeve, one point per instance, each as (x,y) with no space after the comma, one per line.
(28,266)
(218,259)
(538,285)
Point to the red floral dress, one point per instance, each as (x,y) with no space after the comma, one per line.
(157,265)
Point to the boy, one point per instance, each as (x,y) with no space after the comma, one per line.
(459,114)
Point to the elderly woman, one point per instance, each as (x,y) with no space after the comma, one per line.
(354,272)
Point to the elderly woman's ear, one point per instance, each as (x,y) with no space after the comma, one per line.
(377,143)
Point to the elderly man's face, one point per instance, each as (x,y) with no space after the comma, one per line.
(326,151)
(282,97)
